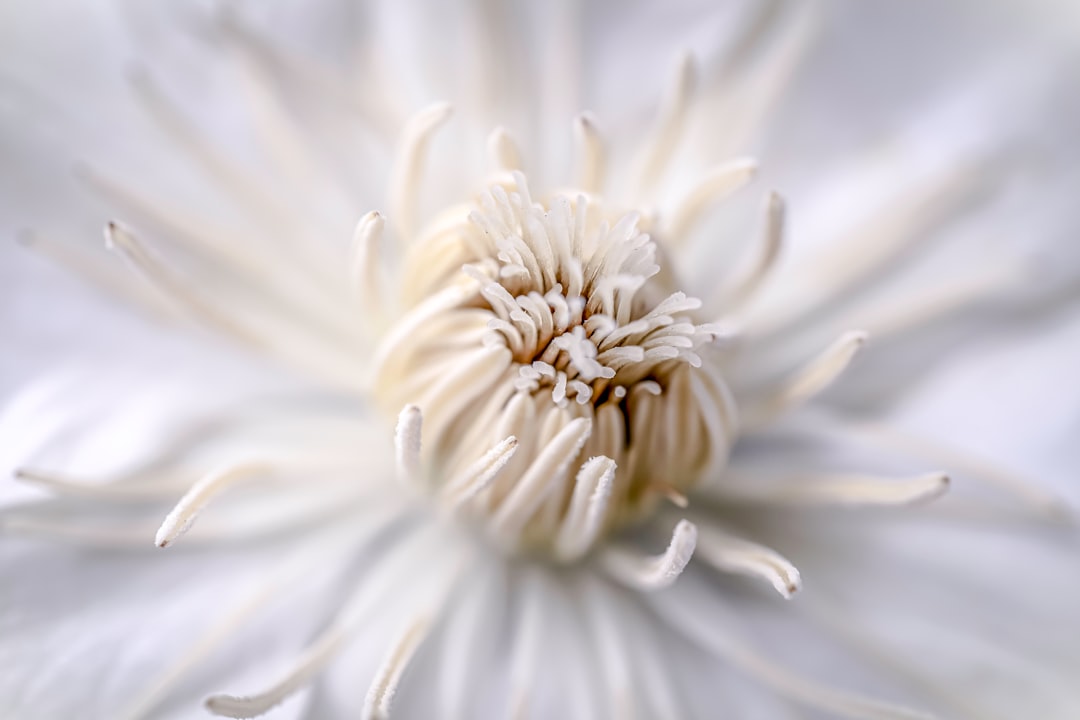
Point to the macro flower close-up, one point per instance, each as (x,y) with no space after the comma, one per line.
(539,360)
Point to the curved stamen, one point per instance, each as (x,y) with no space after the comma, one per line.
(381,582)
(292,342)
(764,78)
(850,265)
(446,299)
(462,383)
(113,538)
(670,124)
(810,380)
(218,633)
(380,695)
(476,478)
(540,479)
(234,180)
(311,663)
(274,275)
(851,490)
(568,304)
(897,315)
(147,489)
(183,515)
(104,276)
(591,159)
(588,508)
(652,572)
(366,272)
(741,289)
(409,167)
(732,554)
(717,184)
(275,520)
(503,150)
(961,463)
(123,242)
(280,139)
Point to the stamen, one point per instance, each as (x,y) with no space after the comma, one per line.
(476,478)
(563,309)
(183,515)
(717,184)
(312,661)
(401,331)
(752,27)
(814,377)
(650,387)
(104,276)
(670,125)
(216,166)
(542,476)
(124,538)
(384,687)
(473,377)
(409,167)
(851,264)
(670,494)
(652,572)
(270,269)
(588,508)
(123,242)
(374,108)
(279,136)
(760,87)
(380,582)
(590,153)
(147,700)
(407,445)
(732,554)
(287,320)
(261,205)
(772,236)
(960,463)
(851,490)
(503,150)
(897,315)
(366,269)
(275,520)
(143,491)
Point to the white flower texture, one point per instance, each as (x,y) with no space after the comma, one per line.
(563,424)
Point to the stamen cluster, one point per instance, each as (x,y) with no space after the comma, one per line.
(547,323)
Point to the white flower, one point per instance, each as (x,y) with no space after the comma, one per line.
(535,421)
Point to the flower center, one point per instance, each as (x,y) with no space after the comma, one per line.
(547,323)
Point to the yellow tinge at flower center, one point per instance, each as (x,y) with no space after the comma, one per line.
(565,385)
